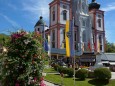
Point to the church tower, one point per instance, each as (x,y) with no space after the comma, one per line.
(97,17)
(59,13)
(83,21)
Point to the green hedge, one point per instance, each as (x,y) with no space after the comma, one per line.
(70,72)
(60,69)
(64,70)
(102,73)
(81,74)
(91,74)
(56,67)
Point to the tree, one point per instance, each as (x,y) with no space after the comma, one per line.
(3,38)
(110,48)
(23,64)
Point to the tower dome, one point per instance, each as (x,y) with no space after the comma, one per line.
(94,5)
(40,22)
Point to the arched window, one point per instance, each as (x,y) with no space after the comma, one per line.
(53,15)
(53,39)
(64,15)
(38,29)
(84,36)
(99,22)
(83,22)
(100,42)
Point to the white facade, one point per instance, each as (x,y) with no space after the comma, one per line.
(83,21)
(53,9)
(62,10)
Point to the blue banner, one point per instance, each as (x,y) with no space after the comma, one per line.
(71,39)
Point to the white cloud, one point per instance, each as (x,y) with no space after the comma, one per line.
(37,8)
(109,7)
(12,22)
(12,6)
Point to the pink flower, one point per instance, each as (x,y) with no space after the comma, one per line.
(17,84)
(42,83)
(35,79)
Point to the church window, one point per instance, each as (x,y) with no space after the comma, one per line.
(83,22)
(53,15)
(53,39)
(84,36)
(64,15)
(54,8)
(64,38)
(38,29)
(100,39)
(75,39)
(99,22)
(100,42)
(64,7)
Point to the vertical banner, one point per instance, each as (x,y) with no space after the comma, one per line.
(89,46)
(67,39)
(98,46)
(49,45)
(71,39)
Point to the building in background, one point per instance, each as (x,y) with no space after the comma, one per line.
(89,32)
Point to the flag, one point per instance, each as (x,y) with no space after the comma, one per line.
(83,47)
(45,45)
(98,47)
(71,39)
(49,46)
(89,45)
(67,39)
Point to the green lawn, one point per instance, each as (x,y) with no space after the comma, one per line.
(70,82)
(55,78)
(49,70)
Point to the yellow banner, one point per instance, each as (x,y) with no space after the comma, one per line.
(98,46)
(67,39)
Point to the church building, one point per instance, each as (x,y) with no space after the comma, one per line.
(89,32)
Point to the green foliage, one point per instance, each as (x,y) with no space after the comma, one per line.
(24,62)
(64,70)
(3,38)
(91,74)
(110,47)
(56,67)
(81,74)
(60,69)
(102,73)
(70,72)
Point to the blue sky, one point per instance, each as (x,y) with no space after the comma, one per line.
(15,14)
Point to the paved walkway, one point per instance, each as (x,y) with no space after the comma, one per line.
(49,84)
(113,75)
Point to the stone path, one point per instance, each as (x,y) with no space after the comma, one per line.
(113,75)
(49,84)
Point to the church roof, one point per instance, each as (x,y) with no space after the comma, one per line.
(94,5)
(40,22)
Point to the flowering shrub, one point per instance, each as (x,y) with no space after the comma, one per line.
(23,64)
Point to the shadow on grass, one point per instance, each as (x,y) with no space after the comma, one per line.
(98,82)
(79,80)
